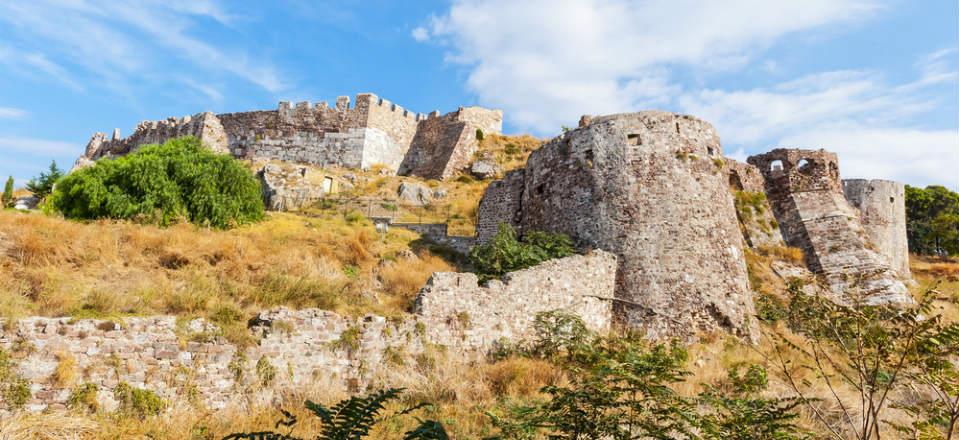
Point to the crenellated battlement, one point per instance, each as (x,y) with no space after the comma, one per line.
(366,131)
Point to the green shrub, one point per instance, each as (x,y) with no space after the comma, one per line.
(137,402)
(42,185)
(265,371)
(479,135)
(14,389)
(505,253)
(735,409)
(352,419)
(84,397)
(164,184)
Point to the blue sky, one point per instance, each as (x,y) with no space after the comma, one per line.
(874,80)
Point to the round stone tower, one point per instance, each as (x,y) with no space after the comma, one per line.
(882,208)
(650,187)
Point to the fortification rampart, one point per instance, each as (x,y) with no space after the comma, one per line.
(372,132)
(302,348)
(651,188)
(805,192)
(882,210)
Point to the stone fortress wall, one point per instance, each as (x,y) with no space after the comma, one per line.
(882,208)
(651,188)
(371,132)
(806,195)
(453,314)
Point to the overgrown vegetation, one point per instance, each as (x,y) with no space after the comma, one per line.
(507,253)
(14,389)
(351,419)
(890,358)
(180,180)
(932,220)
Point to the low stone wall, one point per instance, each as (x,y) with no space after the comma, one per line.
(295,349)
(438,233)
(479,316)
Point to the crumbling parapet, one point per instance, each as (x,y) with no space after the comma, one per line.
(309,347)
(882,210)
(371,132)
(805,193)
(651,188)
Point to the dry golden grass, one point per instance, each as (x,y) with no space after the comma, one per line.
(53,267)
(53,426)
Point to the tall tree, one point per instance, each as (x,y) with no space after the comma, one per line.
(932,220)
(42,185)
(7,199)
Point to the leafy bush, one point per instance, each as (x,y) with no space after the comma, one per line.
(932,220)
(505,253)
(84,397)
(163,184)
(42,185)
(351,419)
(735,411)
(479,135)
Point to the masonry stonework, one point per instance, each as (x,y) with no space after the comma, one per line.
(806,195)
(882,209)
(372,132)
(651,188)
(306,347)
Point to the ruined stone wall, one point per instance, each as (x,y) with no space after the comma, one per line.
(438,233)
(805,193)
(444,145)
(651,188)
(581,285)
(882,210)
(372,132)
(502,202)
(204,126)
(758,224)
(306,347)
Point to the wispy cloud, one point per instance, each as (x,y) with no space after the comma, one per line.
(37,147)
(12,113)
(547,62)
(123,43)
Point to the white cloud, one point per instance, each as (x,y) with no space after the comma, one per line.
(12,113)
(856,114)
(122,43)
(918,157)
(420,34)
(546,62)
(37,147)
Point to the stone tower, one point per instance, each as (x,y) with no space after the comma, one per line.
(882,210)
(806,196)
(651,188)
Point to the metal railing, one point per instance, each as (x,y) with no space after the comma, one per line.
(399,211)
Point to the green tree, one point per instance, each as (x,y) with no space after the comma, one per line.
(42,185)
(891,357)
(734,409)
(7,200)
(506,253)
(164,184)
(932,220)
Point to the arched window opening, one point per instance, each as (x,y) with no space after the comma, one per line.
(806,166)
(776,166)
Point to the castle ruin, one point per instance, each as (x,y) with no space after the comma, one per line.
(649,187)
(806,195)
(373,131)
